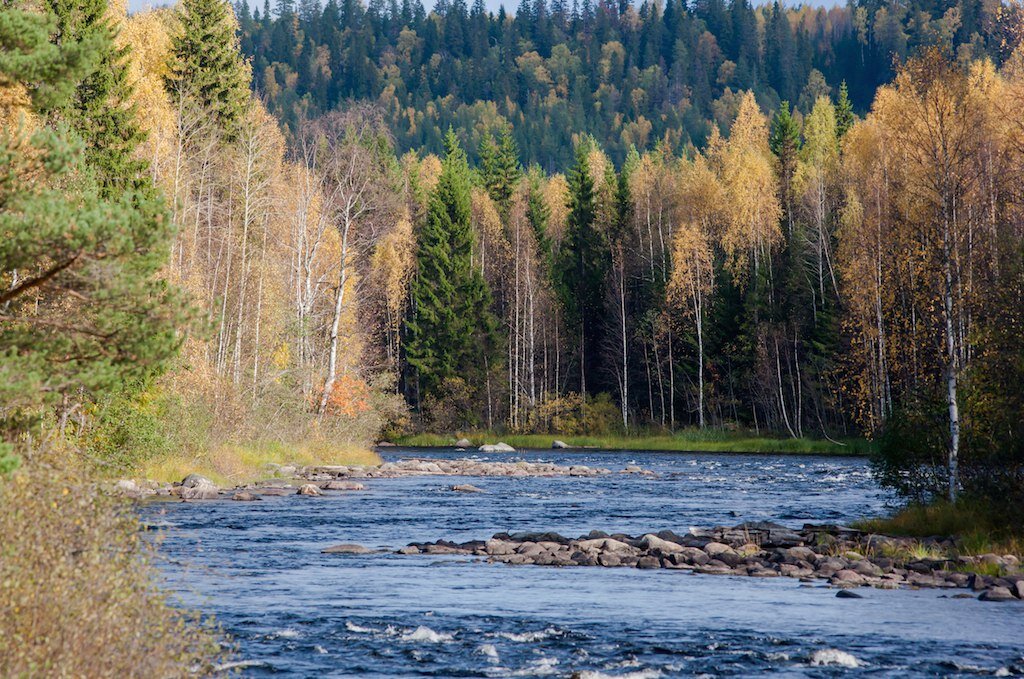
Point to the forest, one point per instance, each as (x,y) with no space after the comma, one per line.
(805,271)
(230,240)
(641,74)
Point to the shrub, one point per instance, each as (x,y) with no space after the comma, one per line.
(576,415)
(78,590)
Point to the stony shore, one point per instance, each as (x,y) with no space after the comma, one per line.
(340,477)
(843,557)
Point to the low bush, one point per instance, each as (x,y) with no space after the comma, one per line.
(79,592)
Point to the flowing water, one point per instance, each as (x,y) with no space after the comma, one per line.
(295,612)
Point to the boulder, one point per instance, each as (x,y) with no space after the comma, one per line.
(847,578)
(346,548)
(309,490)
(653,542)
(799,553)
(286,470)
(997,594)
(848,594)
(244,496)
(559,444)
(467,488)
(714,549)
(499,447)
(193,480)
(463,443)
(205,491)
(648,562)
(275,492)
(609,560)
(342,485)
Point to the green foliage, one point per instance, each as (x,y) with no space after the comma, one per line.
(451,331)
(206,65)
(500,170)
(81,310)
(49,71)
(637,77)
(844,112)
(100,112)
(584,264)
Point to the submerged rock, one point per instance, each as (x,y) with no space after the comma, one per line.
(347,548)
(244,496)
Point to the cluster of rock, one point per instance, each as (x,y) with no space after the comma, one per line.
(843,557)
(198,487)
(454,467)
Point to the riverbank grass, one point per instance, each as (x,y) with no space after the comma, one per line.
(977,528)
(238,463)
(691,440)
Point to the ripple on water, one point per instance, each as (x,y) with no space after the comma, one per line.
(296,613)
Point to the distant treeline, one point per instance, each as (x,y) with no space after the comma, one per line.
(627,75)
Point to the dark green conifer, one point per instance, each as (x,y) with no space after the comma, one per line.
(451,331)
(844,112)
(206,64)
(101,112)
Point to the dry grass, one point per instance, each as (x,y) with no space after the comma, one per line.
(232,464)
(78,591)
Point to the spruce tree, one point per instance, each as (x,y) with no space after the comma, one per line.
(784,141)
(844,112)
(101,112)
(206,63)
(584,263)
(500,169)
(451,331)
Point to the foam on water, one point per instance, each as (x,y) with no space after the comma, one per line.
(834,657)
(530,637)
(424,633)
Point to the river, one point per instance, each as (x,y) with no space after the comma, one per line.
(295,612)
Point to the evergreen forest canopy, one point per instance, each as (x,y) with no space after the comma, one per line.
(660,72)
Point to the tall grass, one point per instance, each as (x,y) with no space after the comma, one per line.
(231,464)
(690,440)
(978,528)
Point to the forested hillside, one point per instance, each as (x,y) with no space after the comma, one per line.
(628,74)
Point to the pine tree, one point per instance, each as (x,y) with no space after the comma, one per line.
(451,331)
(100,111)
(81,309)
(844,112)
(206,63)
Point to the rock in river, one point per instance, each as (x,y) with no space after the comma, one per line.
(346,548)
(467,488)
(499,447)
(463,443)
(309,489)
(342,485)
(559,444)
